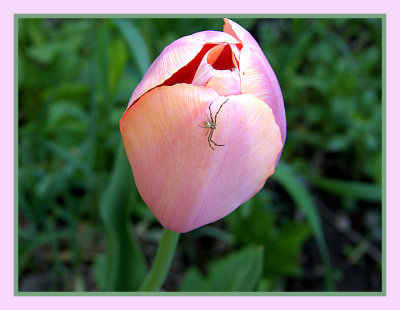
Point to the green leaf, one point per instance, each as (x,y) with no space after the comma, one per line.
(265,285)
(44,53)
(300,195)
(283,252)
(238,272)
(118,60)
(103,39)
(255,223)
(350,189)
(136,43)
(65,109)
(127,265)
(194,282)
(65,154)
(100,265)
(66,122)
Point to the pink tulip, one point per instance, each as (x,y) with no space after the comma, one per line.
(185,182)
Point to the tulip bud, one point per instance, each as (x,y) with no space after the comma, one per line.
(217,83)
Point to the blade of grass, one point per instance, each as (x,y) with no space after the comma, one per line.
(127,266)
(351,189)
(288,179)
(103,40)
(74,161)
(29,245)
(136,43)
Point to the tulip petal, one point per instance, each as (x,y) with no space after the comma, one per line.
(178,61)
(224,81)
(257,76)
(184,182)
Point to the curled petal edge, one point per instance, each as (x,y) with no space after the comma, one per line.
(177,57)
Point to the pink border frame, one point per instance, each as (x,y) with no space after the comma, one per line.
(9,301)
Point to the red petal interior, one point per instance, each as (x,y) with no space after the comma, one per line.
(224,60)
(186,73)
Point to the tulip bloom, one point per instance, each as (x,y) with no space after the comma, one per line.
(185,182)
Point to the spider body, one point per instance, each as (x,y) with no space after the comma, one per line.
(211,124)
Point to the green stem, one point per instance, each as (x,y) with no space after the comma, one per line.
(162,263)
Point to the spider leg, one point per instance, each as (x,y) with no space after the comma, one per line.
(211,134)
(209,139)
(217,144)
(207,131)
(209,108)
(215,118)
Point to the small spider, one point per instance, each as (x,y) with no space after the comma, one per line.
(211,125)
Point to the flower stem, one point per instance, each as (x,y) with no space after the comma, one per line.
(162,263)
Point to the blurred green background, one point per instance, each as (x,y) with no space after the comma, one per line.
(82,226)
